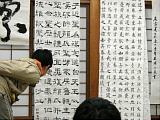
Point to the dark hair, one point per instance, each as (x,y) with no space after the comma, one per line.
(44,56)
(97,108)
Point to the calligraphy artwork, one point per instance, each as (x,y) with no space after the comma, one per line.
(57,28)
(123,58)
(155,81)
(14,22)
(146,97)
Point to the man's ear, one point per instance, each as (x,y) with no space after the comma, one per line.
(47,67)
(44,70)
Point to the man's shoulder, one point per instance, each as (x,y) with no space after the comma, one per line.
(25,59)
(25,62)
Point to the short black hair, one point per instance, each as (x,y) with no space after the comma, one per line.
(44,56)
(97,108)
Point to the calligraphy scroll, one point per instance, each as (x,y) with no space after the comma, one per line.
(155,81)
(146,97)
(57,28)
(123,58)
(14,22)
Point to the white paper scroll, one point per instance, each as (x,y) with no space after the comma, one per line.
(14,22)
(146,100)
(123,58)
(155,81)
(57,28)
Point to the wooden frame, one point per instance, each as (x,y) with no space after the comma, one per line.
(87,6)
(94,47)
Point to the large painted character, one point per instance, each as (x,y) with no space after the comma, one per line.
(7,14)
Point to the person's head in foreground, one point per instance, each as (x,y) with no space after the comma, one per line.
(97,108)
(45,57)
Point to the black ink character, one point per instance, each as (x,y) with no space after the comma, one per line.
(22,28)
(6,14)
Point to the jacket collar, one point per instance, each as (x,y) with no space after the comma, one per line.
(39,65)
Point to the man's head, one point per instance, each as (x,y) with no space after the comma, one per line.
(45,57)
(97,108)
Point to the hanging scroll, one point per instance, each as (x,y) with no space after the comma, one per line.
(146,99)
(155,81)
(14,22)
(57,28)
(123,58)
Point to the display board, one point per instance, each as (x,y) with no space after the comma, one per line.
(155,81)
(123,59)
(57,26)
(14,23)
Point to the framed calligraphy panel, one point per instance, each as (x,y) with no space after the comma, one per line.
(58,29)
(14,23)
(155,82)
(123,57)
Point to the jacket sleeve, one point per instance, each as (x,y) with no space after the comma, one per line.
(23,71)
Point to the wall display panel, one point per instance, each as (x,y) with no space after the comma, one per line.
(17,54)
(22,110)
(5,54)
(24,100)
(155,81)
(148,14)
(123,58)
(57,28)
(83,51)
(15,27)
